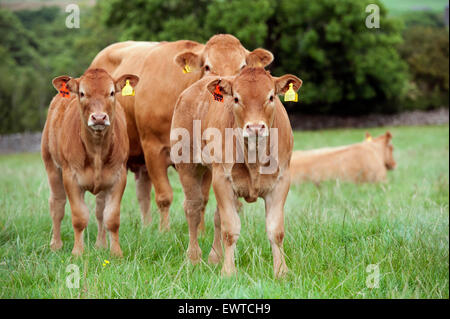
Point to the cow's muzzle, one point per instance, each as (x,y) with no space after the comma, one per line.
(259,129)
(98,121)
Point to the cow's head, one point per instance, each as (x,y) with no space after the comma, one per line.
(96,93)
(223,55)
(387,148)
(254,94)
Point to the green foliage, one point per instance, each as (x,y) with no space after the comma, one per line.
(426,50)
(345,66)
(157,20)
(35,47)
(19,83)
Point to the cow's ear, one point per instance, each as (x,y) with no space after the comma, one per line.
(282,83)
(73,85)
(194,61)
(259,58)
(58,81)
(224,86)
(120,82)
(388,136)
(368,136)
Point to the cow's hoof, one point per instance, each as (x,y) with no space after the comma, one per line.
(213,257)
(194,255)
(76,251)
(164,227)
(147,220)
(281,272)
(101,244)
(116,252)
(56,244)
(229,272)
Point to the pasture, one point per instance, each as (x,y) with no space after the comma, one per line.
(333,232)
(401,6)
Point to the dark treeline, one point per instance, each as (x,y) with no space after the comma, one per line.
(346,67)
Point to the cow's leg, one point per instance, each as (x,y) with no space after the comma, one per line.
(143,190)
(206,185)
(99,210)
(230,224)
(215,254)
(191,178)
(275,224)
(57,203)
(80,211)
(156,160)
(112,213)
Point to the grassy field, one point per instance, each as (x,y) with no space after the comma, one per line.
(401,6)
(333,232)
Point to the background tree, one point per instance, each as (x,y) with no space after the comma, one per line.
(346,67)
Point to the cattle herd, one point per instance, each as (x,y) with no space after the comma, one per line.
(129,110)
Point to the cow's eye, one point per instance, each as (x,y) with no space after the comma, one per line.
(112,93)
(81,94)
(207,68)
(271,98)
(236,100)
(243,66)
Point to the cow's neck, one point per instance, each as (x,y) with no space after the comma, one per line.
(98,147)
(254,166)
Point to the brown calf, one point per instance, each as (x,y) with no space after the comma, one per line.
(361,162)
(149,113)
(250,103)
(85,148)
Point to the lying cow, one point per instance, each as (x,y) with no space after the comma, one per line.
(85,148)
(166,69)
(249,102)
(361,162)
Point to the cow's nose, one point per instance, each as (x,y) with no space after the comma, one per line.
(99,118)
(256,129)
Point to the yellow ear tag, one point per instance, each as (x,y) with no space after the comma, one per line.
(290,94)
(369,139)
(127,90)
(187,69)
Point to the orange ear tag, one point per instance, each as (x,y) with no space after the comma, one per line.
(64,92)
(217,94)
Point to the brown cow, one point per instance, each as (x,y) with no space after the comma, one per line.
(85,148)
(250,103)
(149,113)
(361,162)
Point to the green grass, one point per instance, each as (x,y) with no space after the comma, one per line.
(401,6)
(332,233)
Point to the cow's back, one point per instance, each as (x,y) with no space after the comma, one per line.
(130,53)
(355,163)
